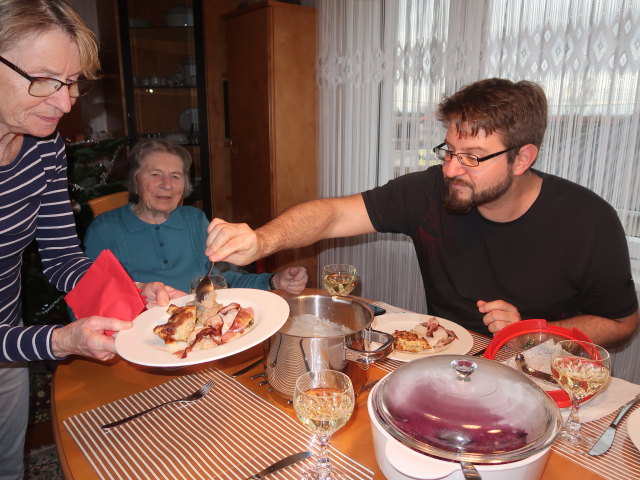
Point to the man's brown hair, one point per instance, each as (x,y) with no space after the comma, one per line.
(515,111)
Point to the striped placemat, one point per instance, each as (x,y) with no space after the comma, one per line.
(230,434)
(621,462)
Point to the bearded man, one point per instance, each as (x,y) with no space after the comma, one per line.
(497,241)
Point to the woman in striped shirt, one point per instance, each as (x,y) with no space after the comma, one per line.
(48,59)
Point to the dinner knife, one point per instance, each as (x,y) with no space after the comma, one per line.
(375,309)
(367,387)
(244,370)
(604,442)
(280,464)
(479,353)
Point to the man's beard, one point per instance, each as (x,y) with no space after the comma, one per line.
(454,204)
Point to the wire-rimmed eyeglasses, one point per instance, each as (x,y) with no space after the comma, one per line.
(465,159)
(45,86)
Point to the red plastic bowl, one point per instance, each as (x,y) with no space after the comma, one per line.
(528,333)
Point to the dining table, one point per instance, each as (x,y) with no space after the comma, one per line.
(82,386)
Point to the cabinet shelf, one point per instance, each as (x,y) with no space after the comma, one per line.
(156,135)
(151,90)
(161,27)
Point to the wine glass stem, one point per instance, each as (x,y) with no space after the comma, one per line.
(323,465)
(572,425)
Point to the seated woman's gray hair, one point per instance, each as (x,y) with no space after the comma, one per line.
(155,145)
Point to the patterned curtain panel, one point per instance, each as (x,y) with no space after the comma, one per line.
(355,64)
(383,67)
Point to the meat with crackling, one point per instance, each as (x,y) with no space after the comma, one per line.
(243,320)
(179,326)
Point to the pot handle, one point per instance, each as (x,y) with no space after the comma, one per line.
(416,465)
(370,356)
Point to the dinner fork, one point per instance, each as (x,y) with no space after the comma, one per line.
(197,395)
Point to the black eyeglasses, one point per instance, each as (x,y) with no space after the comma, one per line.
(44,86)
(465,159)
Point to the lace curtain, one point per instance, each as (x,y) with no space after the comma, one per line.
(355,64)
(383,66)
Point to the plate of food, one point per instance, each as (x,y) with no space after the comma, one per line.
(187,333)
(422,335)
(633,427)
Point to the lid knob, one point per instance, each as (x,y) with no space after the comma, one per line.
(464,368)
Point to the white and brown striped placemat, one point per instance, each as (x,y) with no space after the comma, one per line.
(230,434)
(621,462)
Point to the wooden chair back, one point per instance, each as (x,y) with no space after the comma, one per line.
(108,202)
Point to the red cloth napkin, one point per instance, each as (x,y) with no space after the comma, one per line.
(106,290)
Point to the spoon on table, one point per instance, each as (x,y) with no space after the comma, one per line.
(205,286)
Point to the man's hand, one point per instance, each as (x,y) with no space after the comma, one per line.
(233,242)
(158,294)
(86,337)
(498,314)
(293,280)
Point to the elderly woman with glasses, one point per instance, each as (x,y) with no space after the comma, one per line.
(49,58)
(155,238)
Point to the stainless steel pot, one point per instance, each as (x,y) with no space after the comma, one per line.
(324,332)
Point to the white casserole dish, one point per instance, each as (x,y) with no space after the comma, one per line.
(408,450)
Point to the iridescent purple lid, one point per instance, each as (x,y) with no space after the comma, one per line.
(466,408)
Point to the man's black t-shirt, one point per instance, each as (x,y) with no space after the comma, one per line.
(567,255)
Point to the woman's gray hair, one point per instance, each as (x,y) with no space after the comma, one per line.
(21,18)
(155,145)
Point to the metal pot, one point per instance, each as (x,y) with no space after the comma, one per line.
(432,414)
(324,332)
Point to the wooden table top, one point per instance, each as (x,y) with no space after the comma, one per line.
(80,385)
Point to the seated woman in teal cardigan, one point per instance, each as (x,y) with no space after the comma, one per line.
(157,239)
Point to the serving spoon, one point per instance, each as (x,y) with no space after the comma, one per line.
(522,365)
(459,440)
(205,286)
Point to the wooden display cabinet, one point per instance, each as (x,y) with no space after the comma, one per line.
(162,55)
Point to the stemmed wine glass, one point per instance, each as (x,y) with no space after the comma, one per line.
(323,401)
(339,278)
(582,369)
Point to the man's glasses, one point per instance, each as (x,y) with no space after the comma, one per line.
(465,159)
(44,86)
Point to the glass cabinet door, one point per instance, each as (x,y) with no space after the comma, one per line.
(164,83)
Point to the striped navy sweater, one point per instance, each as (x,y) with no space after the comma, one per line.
(34,202)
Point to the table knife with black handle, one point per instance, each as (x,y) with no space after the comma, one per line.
(280,464)
(375,309)
(604,442)
(244,370)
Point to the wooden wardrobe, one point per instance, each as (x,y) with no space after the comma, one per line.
(271,121)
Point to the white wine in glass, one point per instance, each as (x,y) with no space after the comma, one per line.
(339,279)
(582,369)
(323,401)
